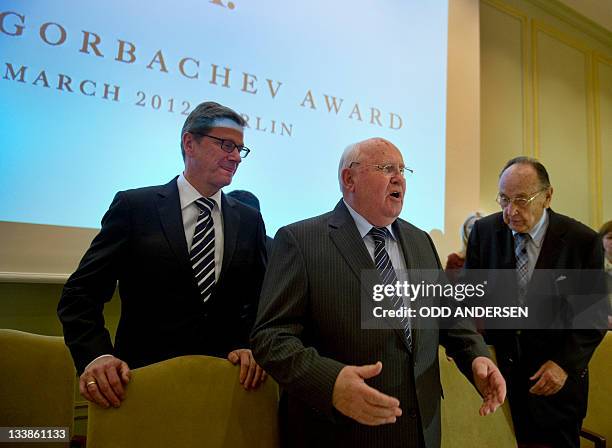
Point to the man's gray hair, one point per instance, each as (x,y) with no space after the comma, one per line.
(350,154)
(201,120)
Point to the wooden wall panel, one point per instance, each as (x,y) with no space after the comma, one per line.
(502,96)
(562,125)
(604,103)
(546,82)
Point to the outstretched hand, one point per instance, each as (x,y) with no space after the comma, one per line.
(490,383)
(355,399)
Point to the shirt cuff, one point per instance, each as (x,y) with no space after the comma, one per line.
(94,360)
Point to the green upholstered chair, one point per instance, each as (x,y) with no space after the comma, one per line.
(189,401)
(37,380)
(462,426)
(598,422)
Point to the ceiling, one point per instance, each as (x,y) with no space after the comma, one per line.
(599,11)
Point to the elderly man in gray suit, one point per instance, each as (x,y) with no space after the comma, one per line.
(344,385)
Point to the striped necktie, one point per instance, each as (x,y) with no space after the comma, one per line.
(387,274)
(203,249)
(522,263)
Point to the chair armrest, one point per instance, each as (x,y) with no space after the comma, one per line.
(598,440)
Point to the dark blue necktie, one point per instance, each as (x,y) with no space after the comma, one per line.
(387,273)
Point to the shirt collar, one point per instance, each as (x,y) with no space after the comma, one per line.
(188,193)
(363,225)
(538,231)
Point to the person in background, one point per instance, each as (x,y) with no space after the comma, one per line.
(189,263)
(606,236)
(546,369)
(455,261)
(248,198)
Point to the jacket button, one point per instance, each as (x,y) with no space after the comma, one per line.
(412,413)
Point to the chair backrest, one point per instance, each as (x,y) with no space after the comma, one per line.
(461,424)
(599,412)
(37,380)
(188,401)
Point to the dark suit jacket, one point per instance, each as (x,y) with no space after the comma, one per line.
(567,244)
(308,328)
(141,246)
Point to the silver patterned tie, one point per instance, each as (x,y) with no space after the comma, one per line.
(387,273)
(522,263)
(202,253)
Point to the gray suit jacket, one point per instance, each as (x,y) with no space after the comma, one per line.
(308,329)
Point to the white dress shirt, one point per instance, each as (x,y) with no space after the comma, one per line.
(392,245)
(190,211)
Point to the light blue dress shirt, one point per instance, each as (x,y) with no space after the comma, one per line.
(534,245)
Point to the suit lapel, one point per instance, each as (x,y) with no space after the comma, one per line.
(169,209)
(409,245)
(231,225)
(345,236)
(553,243)
(505,242)
(502,273)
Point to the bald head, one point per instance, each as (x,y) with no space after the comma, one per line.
(353,152)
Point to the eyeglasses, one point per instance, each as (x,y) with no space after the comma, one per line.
(521,202)
(228,145)
(389,169)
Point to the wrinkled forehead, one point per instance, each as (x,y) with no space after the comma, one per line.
(519,179)
(378,150)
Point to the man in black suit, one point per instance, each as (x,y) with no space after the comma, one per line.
(189,263)
(546,370)
(343,384)
(248,198)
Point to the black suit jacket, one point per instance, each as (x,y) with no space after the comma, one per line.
(141,247)
(567,244)
(308,328)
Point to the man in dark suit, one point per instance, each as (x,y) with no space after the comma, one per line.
(546,370)
(345,385)
(189,263)
(248,198)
